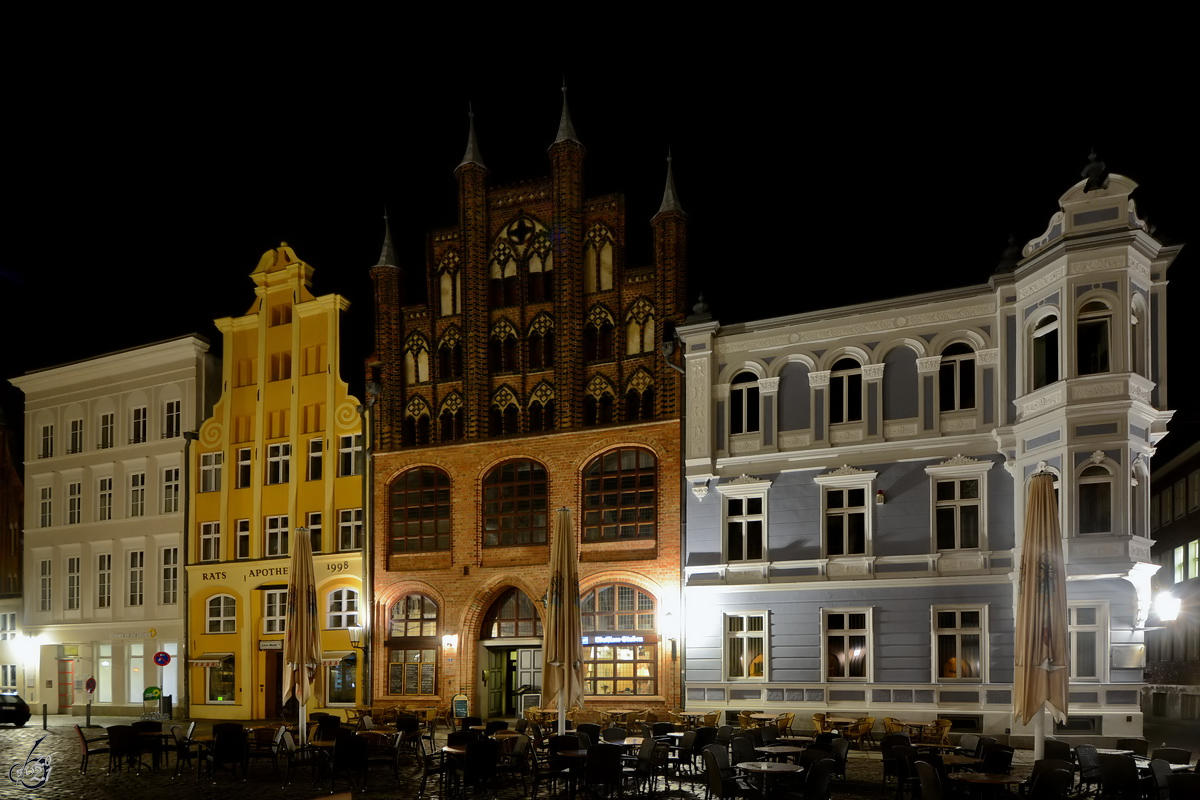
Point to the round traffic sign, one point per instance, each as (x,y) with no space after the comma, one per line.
(90,685)
(162,658)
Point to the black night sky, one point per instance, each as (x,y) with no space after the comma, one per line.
(142,187)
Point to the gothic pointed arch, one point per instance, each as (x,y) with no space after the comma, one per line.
(450,355)
(540,342)
(640,328)
(502,347)
(523,247)
(449,280)
(598,401)
(416,425)
(542,408)
(416,359)
(504,413)
(639,397)
(598,334)
(598,252)
(450,419)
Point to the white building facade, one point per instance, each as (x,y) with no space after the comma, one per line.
(858,478)
(105,492)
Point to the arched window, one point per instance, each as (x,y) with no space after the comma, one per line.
(598,402)
(1139,329)
(1045,352)
(639,328)
(1095,499)
(621,655)
(541,270)
(845,391)
(598,260)
(222,614)
(512,616)
(450,285)
(414,429)
(416,360)
(343,609)
(1092,339)
(523,247)
(541,408)
(541,343)
(413,646)
(450,356)
(502,274)
(450,420)
(504,416)
(639,397)
(598,335)
(620,495)
(515,501)
(743,403)
(957,378)
(420,511)
(502,348)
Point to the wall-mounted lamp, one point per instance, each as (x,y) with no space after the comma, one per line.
(356,633)
(880,498)
(1166,606)
(450,642)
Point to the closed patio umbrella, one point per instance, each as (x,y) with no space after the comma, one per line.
(301,647)
(562,645)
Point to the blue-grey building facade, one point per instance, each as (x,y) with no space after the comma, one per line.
(858,476)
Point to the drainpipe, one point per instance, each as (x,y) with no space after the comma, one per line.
(185,650)
(368,485)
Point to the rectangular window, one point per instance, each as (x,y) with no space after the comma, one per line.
(137,669)
(315,451)
(1193,493)
(8,626)
(341,681)
(281,366)
(172,420)
(75,445)
(1154,505)
(279,459)
(746,646)
(343,608)
(210,541)
(220,681)
(744,526)
(104,496)
(210,471)
(104,580)
(243,468)
(45,585)
(108,431)
(313,523)
(957,514)
(620,669)
(138,432)
(1087,641)
(170,576)
(73,583)
(74,503)
(1194,558)
(845,521)
(45,506)
(958,634)
(1181,498)
(137,494)
(8,677)
(276,530)
(170,490)
(350,455)
(137,577)
(274,610)
(47,445)
(847,643)
(414,670)
(243,538)
(1180,564)
(350,525)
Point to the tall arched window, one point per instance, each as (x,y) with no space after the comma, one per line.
(450,356)
(1092,339)
(541,408)
(1139,331)
(845,391)
(620,657)
(502,348)
(598,335)
(222,614)
(420,511)
(416,360)
(598,402)
(504,416)
(412,646)
(541,343)
(639,397)
(639,328)
(598,260)
(450,420)
(450,285)
(512,616)
(620,495)
(743,403)
(515,502)
(343,609)
(1045,352)
(1095,499)
(414,430)
(956,381)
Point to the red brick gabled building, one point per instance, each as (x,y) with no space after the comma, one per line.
(532,377)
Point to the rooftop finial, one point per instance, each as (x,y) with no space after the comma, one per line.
(387,254)
(472,156)
(670,201)
(566,131)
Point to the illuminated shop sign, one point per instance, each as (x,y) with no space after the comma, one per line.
(614,640)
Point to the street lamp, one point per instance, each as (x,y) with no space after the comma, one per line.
(356,633)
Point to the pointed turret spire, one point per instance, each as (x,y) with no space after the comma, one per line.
(670,201)
(472,156)
(566,131)
(387,255)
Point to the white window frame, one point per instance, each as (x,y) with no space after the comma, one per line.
(342,608)
(139,427)
(241,538)
(1100,628)
(46,507)
(8,625)
(210,471)
(210,541)
(1040,329)
(104,580)
(8,677)
(279,462)
(867,632)
(843,376)
(137,578)
(958,631)
(222,618)
(104,498)
(950,371)
(350,455)
(172,419)
(274,611)
(750,397)
(75,442)
(46,446)
(843,479)
(137,494)
(73,583)
(728,637)
(314,467)
(275,536)
(742,491)
(1108,479)
(958,469)
(74,503)
(1101,319)
(170,502)
(350,529)
(245,473)
(1180,564)
(45,585)
(108,431)
(169,569)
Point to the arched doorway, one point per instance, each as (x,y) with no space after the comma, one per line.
(510,652)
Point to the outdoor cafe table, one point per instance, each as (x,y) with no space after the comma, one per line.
(779,751)
(954,761)
(620,713)
(763,718)
(691,717)
(916,729)
(768,770)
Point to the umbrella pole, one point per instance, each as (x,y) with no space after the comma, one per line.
(562,700)
(1039,734)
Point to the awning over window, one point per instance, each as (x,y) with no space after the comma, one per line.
(209,659)
(331,658)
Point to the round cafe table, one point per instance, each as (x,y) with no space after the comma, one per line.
(768,770)
(779,751)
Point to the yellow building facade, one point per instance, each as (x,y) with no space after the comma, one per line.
(281,456)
